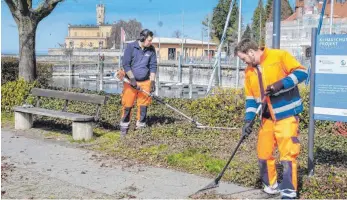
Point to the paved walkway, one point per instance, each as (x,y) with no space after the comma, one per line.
(49,170)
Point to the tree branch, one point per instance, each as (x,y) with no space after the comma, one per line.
(11,5)
(13,9)
(23,7)
(45,8)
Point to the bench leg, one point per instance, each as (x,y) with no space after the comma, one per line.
(23,121)
(82,130)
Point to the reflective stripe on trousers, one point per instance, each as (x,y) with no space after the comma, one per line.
(284,135)
(129,95)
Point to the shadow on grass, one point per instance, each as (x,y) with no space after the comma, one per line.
(331,157)
(153,120)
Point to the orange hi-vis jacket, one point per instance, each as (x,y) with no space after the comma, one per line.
(276,65)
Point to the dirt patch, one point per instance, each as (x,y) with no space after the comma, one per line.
(6,168)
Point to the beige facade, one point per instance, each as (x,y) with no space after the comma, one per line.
(171,48)
(90,36)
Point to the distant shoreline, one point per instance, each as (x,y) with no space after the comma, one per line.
(15,53)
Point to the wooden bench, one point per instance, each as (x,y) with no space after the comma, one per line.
(81,124)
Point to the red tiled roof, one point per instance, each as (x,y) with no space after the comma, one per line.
(292,17)
(340,9)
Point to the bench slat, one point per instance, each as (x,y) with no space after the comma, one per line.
(72,96)
(54,113)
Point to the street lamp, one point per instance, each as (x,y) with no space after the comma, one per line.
(99,67)
(69,52)
(160,24)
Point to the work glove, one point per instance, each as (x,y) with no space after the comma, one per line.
(152,86)
(246,129)
(274,88)
(120,74)
(133,83)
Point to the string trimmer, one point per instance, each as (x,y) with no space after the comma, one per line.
(196,123)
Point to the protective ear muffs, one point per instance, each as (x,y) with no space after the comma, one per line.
(143,35)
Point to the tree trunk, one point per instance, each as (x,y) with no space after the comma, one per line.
(27,59)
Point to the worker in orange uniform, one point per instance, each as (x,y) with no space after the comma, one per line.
(274,74)
(140,67)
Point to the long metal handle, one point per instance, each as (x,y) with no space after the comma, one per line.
(220,175)
(161,101)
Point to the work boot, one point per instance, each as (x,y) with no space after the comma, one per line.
(123,131)
(288,194)
(140,125)
(273,189)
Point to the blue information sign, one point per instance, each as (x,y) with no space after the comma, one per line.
(331,78)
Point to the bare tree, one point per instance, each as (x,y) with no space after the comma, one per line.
(132,30)
(177,34)
(27,19)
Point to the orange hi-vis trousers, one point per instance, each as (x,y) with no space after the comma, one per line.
(284,135)
(129,96)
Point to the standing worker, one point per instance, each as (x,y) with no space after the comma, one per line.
(140,67)
(274,74)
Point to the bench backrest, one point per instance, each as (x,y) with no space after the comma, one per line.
(71,96)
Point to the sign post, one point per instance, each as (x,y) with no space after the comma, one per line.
(311,128)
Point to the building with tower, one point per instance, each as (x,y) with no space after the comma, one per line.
(90,36)
(100,14)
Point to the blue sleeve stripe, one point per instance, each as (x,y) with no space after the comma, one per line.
(249,116)
(294,78)
(251,103)
(288,82)
(301,75)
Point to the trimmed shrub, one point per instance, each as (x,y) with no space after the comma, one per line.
(15,93)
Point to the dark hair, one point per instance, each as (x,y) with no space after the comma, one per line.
(145,33)
(245,45)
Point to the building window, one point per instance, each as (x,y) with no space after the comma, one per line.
(98,34)
(107,34)
(172,53)
(102,34)
(75,33)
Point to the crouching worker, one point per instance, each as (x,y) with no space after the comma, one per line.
(275,74)
(140,67)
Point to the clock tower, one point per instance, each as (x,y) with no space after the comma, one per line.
(100,14)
